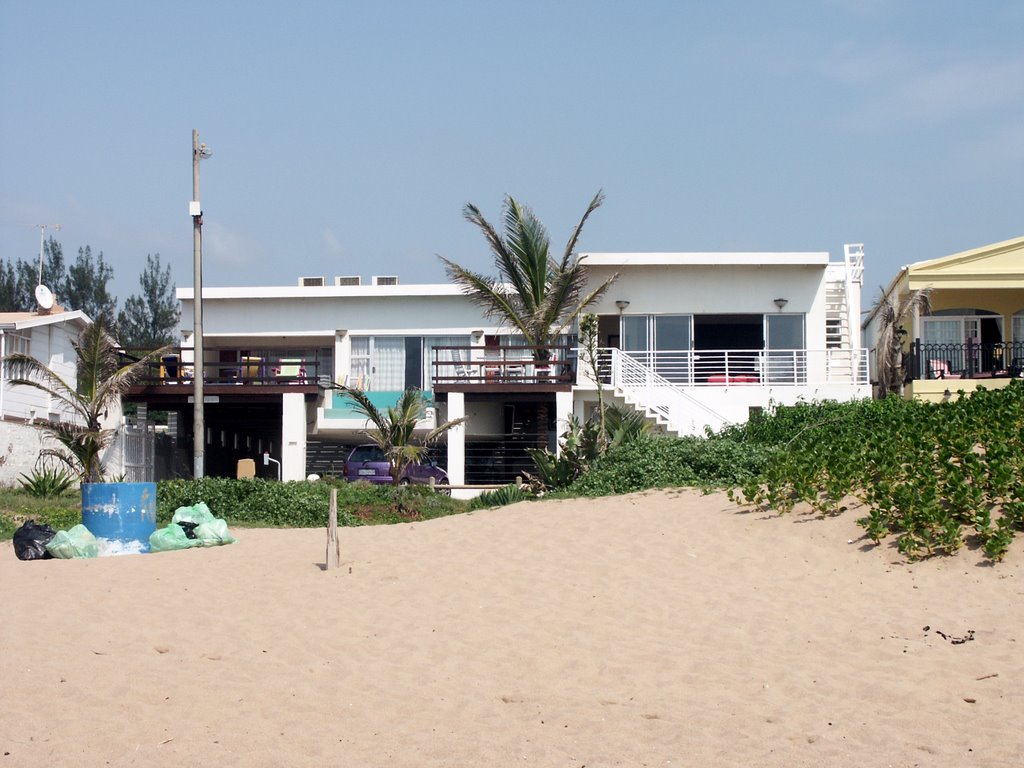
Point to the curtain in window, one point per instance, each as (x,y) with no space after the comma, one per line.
(387,372)
(359,369)
(443,356)
(943,331)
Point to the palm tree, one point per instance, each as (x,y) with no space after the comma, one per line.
(393,429)
(101,381)
(533,293)
(889,356)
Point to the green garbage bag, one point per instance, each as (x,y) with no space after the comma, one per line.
(197,513)
(214,533)
(170,538)
(74,542)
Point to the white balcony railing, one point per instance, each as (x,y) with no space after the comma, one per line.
(774,367)
(686,390)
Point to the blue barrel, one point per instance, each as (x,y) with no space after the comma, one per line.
(124,512)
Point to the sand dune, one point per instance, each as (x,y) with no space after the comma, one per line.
(657,629)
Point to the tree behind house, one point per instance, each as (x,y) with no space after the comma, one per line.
(18,279)
(85,287)
(149,320)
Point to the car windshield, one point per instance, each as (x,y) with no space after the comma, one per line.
(366,453)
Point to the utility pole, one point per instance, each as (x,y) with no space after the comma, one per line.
(199,152)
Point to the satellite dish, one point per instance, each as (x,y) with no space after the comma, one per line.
(44,297)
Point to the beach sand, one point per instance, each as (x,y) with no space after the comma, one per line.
(655,629)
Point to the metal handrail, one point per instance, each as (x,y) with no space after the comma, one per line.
(766,367)
(270,368)
(551,364)
(967,360)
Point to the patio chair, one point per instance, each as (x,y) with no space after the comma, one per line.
(940,370)
(290,368)
(1016,368)
(460,367)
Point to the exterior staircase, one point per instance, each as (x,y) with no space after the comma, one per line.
(669,408)
(842,313)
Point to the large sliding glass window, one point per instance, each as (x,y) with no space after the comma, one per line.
(672,345)
(443,356)
(379,363)
(786,361)
(661,342)
(634,333)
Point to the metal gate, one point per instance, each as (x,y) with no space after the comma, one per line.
(137,451)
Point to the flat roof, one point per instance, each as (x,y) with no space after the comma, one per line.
(792,258)
(322,291)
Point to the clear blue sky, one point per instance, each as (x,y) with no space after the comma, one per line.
(347,136)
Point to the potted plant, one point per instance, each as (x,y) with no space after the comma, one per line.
(111,510)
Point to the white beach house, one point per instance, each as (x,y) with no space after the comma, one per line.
(693,340)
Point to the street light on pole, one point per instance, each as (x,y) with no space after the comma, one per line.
(199,152)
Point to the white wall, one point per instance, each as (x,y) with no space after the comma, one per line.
(705,290)
(311,317)
(51,345)
(20,445)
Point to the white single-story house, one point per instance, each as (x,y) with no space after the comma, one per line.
(47,336)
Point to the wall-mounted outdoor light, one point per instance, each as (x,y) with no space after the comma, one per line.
(781,303)
(621,304)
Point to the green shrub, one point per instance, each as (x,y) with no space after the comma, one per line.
(500,497)
(301,503)
(48,482)
(652,461)
(930,474)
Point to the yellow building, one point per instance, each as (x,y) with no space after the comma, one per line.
(974,334)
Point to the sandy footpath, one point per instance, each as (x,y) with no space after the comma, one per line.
(657,629)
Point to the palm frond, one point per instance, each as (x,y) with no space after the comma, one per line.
(570,247)
(440,429)
(366,407)
(490,295)
(581,304)
(26,371)
(889,342)
(533,293)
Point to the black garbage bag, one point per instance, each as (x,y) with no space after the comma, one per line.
(189,529)
(31,539)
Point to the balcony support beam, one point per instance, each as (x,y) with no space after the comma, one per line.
(457,439)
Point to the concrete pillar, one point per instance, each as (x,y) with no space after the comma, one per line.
(342,356)
(457,439)
(563,410)
(293,436)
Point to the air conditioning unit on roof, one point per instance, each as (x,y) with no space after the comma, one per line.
(348,280)
(385,279)
(310,282)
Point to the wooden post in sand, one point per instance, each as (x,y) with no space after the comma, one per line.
(333,545)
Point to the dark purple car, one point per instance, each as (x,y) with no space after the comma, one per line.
(367,462)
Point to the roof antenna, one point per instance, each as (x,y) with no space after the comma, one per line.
(44,296)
